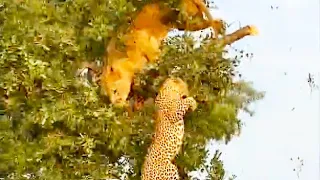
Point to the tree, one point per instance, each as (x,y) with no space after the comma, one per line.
(53,126)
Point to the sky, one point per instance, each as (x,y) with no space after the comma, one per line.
(286,123)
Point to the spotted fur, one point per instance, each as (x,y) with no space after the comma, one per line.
(172,103)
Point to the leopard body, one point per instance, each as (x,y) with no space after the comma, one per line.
(172,103)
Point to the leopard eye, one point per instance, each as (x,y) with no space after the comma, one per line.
(114,91)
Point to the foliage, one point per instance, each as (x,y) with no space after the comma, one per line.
(214,170)
(53,126)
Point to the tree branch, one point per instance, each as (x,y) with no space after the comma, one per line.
(182,174)
(237,35)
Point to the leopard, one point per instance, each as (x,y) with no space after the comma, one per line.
(172,103)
